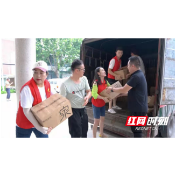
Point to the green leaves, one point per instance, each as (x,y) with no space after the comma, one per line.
(58,51)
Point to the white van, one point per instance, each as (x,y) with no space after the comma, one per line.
(56,83)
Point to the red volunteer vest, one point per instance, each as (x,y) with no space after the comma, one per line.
(21,119)
(116,67)
(99,102)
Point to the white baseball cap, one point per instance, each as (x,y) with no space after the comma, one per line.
(41,65)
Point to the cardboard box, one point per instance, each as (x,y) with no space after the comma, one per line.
(122,73)
(151,101)
(126,71)
(152,91)
(111,95)
(52,111)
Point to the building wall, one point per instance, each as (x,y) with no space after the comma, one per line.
(8,56)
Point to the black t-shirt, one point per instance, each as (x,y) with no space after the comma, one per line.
(138,96)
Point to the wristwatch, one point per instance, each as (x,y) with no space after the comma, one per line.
(112,90)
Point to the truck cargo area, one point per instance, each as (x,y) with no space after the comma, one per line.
(98,52)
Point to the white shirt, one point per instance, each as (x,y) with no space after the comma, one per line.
(112,63)
(7,84)
(26,97)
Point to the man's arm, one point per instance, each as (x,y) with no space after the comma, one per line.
(87,97)
(123,90)
(111,72)
(129,85)
(89,94)
(123,95)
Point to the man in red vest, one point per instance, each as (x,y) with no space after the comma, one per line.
(36,90)
(114,65)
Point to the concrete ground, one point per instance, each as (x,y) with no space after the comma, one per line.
(8,122)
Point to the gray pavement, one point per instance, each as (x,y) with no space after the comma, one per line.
(8,122)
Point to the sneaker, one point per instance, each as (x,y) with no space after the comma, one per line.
(116,107)
(111,111)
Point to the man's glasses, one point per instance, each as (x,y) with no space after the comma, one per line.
(81,69)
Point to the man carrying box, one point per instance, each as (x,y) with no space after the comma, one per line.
(136,89)
(74,89)
(32,93)
(114,65)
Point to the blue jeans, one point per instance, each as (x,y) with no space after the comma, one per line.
(8,93)
(26,133)
(98,111)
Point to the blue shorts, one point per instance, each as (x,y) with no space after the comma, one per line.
(98,111)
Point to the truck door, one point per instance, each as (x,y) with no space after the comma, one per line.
(167,71)
(166,85)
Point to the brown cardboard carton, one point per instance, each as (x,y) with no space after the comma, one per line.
(111,95)
(151,101)
(126,71)
(52,111)
(122,73)
(152,91)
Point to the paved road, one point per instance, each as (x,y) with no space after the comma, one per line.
(8,122)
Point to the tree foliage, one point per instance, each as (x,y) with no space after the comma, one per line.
(58,52)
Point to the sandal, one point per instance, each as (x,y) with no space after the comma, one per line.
(103,136)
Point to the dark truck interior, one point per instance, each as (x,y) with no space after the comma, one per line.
(99,53)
